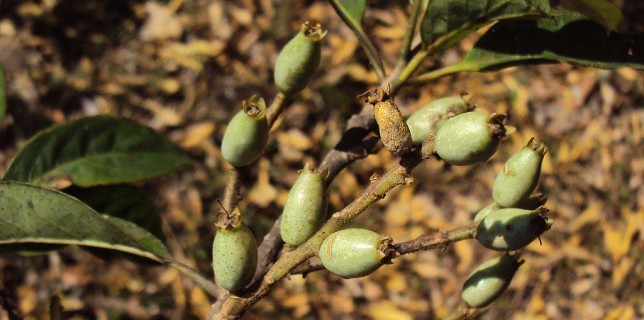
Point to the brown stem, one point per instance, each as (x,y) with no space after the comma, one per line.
(268,251)
(400,174)
(275,109)
(233,185)
(461,312)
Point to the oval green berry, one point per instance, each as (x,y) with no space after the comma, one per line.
(429,118)
(470,138)
(520,175)
(305,207)
(234,252)
(299,59)
(512,229)
(489,280)
(246,134)
(353,253)
(533,202)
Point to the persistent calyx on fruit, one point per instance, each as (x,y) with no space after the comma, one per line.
(353,253)
(305,207)
(246,134)
(489,280)
(520,175)
(299,59)
(512,228)
(234,252)
(470,138)
(394,132)
(429,118)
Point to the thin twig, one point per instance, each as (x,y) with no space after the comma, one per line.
(268,251)
(439,73)
(400,174)
(462,312)
(233,185)
(366,44)
(410,32)
(275,109)
(198,279)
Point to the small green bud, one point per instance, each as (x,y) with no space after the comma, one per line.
(394,132)
(520,175)
(299,59)
(489,280)
(354,253)
(234,252)
(429,118)
(512,229)
(246,134)
(305,207)
(470,138)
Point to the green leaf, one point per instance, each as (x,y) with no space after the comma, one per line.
(95,151)
(448,21)
(122,201)
(600,11)
(566,37)
(3,97)
(353,10)
(35,215)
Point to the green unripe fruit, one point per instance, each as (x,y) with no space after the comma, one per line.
(520,175)
(512,229)
(489,280)
(394,132)
(353,253)
(429,118)
(470,138)
(299,59)
(246,134)
(234,252)
(486,211)
(305,207)
(532,203)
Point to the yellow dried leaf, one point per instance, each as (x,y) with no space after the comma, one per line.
(396,283)
(589,215)
(387,310)
(621,270)
(617,239)
(621,312)
(197,133)
(161,24)
(263,193)
(295,139)
(465,252)
(296,299)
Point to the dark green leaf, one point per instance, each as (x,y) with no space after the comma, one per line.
(566,37)
(34,215)
(600,11)
(448,21)
(122,201)
(95,151)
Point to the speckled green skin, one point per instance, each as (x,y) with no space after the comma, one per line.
(511,229)
(429,118)
(352,253)
(244,139)
(234,257)
(465,139)
(489,280)
(305,208)
(297,63)
(519,177)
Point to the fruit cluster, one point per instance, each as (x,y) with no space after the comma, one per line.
(448,129)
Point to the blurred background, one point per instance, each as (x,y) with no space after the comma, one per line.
(183,67)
